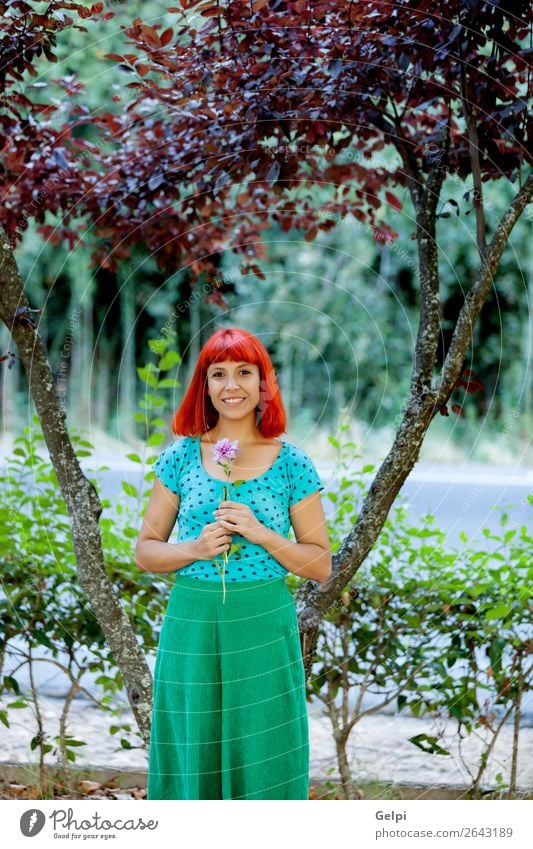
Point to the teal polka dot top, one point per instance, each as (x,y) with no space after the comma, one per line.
(291,477)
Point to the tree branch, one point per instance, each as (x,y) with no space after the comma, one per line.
(469,113)
(479,292)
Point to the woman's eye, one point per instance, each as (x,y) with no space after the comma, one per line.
(243,371)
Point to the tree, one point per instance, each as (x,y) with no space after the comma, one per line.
(27,35)
(232,124)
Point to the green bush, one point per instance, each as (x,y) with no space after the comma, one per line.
(432,631)
(42,604)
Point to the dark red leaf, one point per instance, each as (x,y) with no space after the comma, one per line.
(166,36)
(393,200)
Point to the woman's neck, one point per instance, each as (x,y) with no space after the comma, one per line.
(233,431)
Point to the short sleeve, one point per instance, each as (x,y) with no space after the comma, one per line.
(168,466)
(303,476)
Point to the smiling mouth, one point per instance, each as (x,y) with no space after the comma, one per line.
(233,402)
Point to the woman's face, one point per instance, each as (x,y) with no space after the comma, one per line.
(229,379)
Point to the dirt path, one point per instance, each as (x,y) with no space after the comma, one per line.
(379,747)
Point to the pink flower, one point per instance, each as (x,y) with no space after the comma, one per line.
(225,450)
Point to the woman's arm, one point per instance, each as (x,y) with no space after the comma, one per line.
(310,556)
(152,552)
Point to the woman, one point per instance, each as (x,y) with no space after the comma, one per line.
(229,714)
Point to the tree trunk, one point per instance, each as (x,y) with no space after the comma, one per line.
(349,787)
(128,372)
(102,360)
(79,493)
(516,726)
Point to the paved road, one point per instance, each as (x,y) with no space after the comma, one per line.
(461,497)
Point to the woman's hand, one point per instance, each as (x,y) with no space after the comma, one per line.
(213,540)
(237,518)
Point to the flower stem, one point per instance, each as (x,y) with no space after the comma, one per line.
(226,496)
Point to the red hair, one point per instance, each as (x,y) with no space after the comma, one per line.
(196,413)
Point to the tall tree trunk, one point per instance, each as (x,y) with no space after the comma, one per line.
(79,493)
(527,336)
(196,342)
(102,359)
(128,372)
(298,384)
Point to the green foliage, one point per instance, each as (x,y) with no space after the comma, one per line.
(431,630)
(43,605)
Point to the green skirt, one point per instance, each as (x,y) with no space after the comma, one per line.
(229,716)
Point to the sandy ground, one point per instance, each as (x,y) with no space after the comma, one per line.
(378,748)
